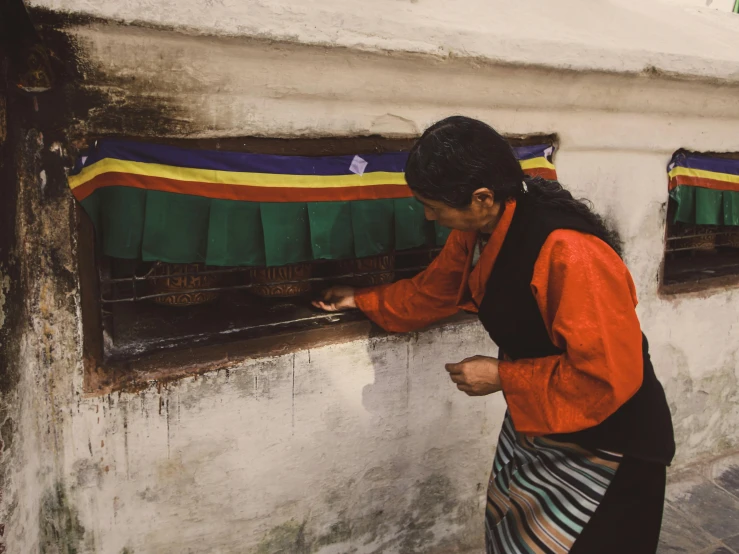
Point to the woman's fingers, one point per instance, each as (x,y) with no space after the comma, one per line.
(336,299)
(457,377)
(453,368)
(325,302)
(325,306)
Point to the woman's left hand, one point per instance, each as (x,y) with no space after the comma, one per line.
(477,376)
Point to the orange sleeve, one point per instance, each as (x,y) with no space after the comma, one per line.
(431,295)
(587,299)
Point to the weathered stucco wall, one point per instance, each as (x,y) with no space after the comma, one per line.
(40,340)
(356,447)
(612,35)
(359,447)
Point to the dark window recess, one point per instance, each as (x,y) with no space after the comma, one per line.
(699,253)
(152,306)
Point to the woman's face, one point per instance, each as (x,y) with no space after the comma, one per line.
(477,216)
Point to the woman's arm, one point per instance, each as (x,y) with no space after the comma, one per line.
(587,299)
(431,295)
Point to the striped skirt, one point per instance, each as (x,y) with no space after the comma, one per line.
(543,493)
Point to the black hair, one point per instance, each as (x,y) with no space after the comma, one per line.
(459,155)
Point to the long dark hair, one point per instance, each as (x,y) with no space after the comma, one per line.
(459,155)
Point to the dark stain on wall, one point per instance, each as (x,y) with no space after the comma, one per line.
(61,531)
(339,532)
(95,104)
(292,537)
(34,243)
(435,497)
(10,291)
(435,500)
(9,270)
(288,538)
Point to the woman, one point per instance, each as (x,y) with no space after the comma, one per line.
(581,458)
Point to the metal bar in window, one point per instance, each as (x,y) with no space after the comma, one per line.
(685,249)
(331,318)
(271,283)
(696,236)
(714,268)
(149,277)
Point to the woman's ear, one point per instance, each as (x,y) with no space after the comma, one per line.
(484,196)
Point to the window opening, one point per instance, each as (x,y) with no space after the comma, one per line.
(196,246)
(702,236)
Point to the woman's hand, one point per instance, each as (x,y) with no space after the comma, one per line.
(477,376)
(336,299)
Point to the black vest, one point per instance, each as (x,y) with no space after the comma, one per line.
(642,427)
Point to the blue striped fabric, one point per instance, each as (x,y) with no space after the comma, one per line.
(706,162)
(221,160)
(542,493)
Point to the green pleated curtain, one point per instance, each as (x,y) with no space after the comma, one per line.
(177,228)
(702,206)
(705,188)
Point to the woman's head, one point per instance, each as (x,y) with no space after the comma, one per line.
(461,169)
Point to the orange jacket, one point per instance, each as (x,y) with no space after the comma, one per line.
(587,299)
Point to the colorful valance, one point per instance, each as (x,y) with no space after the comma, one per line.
(705,188)
(178,205)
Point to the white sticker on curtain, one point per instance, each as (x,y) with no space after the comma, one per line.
(358,165)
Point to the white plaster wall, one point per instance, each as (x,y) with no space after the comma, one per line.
(363,439)
(612,35)
(209,86)
(366,446)
(720,5)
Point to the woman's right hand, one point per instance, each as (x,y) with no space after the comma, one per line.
(336,299)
